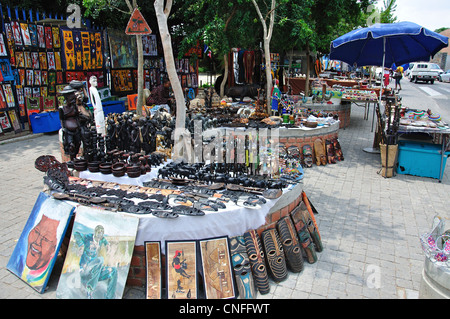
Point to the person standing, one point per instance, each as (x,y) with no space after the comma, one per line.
(161,95)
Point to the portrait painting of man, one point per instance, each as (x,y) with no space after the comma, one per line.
(37,248)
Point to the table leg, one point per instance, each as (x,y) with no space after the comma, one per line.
(444,144)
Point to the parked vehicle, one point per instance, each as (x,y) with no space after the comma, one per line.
(434,66)
(408,70)
(423,71)
(444,77)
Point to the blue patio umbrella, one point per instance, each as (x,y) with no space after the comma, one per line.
(387,43)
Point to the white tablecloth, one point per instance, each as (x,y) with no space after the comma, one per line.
(232,221)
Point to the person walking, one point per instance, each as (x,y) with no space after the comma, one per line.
(398,75)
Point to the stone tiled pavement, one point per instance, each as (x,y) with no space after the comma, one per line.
(370,225)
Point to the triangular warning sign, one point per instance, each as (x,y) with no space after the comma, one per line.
(137,24)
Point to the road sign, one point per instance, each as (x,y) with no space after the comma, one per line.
(137,24)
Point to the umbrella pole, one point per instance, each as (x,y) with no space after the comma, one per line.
(375,149)
(382,70)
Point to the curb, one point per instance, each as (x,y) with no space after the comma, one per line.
(21,138)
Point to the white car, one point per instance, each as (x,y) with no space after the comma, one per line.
(435,67)
(408,70)
(444,77)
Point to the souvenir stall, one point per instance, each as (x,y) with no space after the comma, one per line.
(41,57)
(125,190)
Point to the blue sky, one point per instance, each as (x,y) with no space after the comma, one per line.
(431,14)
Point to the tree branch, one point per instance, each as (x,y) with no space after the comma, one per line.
(129,6)
(168,8)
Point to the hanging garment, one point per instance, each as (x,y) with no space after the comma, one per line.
(249,65)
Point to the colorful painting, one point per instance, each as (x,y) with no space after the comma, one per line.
(48,103)
(40,36)
(51,63)
(5,124)
(150,45)
(181,269)
(217,273)
(3,51)
(69,52)
(14,120)
(48,37)
(25,34)
(6,70)
(122,80)
(20,60)
(153,266)
(33,35)
(28,61)
(9,95)
(43,60)
(16,33)
(37,248)
(3,104)
(98,50)
(11,44)
(58,65)
(99,255)
(123,50)
(56,38)
(86,49)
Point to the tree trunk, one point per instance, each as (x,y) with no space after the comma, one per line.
(267,35)
(308,69)
(225,76)
(225,56)
(162,13)
(268,76)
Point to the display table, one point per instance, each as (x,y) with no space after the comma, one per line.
(298,84)
(232,221)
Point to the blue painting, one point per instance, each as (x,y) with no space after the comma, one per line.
(99,255)
(37,248)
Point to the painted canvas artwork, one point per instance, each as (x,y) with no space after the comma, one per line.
(35,254)
(217,273)
(181,269)
(153,266)
(99,254)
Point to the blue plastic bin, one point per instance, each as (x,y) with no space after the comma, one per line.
(420,159)
(45,122)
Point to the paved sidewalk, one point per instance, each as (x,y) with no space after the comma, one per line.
(370,225)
